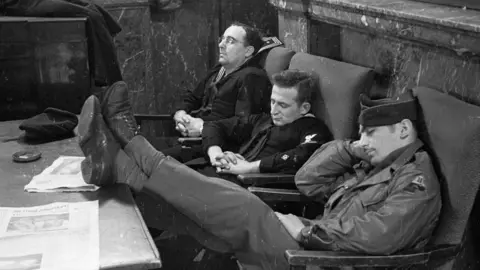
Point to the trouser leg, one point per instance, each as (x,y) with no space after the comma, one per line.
(184,154)
(225,212)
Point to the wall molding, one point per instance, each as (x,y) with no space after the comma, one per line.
(448,27)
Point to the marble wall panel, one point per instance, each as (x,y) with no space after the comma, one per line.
(294,31)
(401,64)
(134,54)
(256,13)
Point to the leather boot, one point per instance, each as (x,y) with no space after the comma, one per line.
(98,145)
(118,113)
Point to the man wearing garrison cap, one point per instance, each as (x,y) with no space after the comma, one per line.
(381,194)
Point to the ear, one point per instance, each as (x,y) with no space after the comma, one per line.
(249,51)
(305,107)
(406,128)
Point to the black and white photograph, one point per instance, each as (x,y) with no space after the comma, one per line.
(242,135)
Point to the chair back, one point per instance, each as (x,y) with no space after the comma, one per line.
(275,60)
(450,128)
(341,84)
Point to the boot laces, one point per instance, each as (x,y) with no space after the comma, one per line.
(131,123)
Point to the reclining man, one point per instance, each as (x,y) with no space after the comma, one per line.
(237,86)
(389,202)
(277,142)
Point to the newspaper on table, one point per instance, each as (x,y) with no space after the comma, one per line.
(64,175)
(61,236)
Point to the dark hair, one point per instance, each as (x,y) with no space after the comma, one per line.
(306,83)
(253,36)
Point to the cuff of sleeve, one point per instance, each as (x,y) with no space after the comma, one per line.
(179,109)
(266,165)
(314,238)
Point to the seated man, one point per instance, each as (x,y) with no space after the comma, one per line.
(389,202)
(237,86)
(277,142)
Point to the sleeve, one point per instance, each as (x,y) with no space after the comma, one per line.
(253,94)
(326,168)
(407,217)
(311,137)
(227,131)
(192,100)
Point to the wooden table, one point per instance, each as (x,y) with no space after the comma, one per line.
(125,242)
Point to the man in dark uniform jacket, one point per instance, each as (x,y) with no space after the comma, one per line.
(280,141)
(388,202)
(236,86)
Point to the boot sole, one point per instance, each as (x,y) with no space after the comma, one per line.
(98,165)
(86,119)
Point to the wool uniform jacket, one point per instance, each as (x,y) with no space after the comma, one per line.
(392,207)
(279,148)
(243,92)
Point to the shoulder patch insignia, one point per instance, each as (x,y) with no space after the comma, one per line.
(417,184)
(309,138)
(285,157)
(420,181)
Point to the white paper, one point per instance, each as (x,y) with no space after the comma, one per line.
(57,236)
(64,175)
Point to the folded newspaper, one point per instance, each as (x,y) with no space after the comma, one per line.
(64,175)
(57,236)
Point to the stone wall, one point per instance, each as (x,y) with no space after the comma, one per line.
(406,43)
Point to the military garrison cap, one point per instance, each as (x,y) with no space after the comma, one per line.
(52,124)
(387,111)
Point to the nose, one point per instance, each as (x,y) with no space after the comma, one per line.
(363,141)
(273,109)
(221,43)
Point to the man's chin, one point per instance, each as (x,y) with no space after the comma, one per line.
(375,160)
(278,123)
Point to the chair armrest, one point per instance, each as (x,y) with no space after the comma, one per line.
(190,141)
(333,258)
(152,117)
(261,179)
(278,195)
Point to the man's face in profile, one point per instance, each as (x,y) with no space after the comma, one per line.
(232,48)
(379,142)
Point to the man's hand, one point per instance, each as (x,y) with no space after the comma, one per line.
(292,223)
(194,126)
(242,166)
(232,157)
(217,158)
(359,151)
(182,119)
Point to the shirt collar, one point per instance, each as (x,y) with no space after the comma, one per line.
(397,158)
